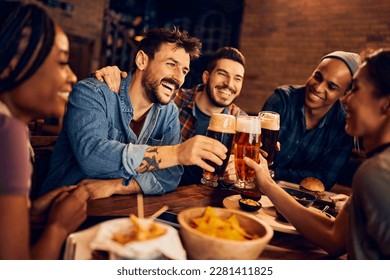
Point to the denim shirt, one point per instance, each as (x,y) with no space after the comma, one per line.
(97,142)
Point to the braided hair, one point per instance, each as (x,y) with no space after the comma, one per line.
(20,59)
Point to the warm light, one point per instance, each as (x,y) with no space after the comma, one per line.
(138,38)
(137,21)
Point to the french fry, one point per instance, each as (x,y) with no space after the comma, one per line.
(138,232)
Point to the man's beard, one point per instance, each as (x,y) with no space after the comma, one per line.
(212,98)
(151,88)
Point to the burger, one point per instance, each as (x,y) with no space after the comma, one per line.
(313,186)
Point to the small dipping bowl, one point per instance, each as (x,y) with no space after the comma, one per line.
(249,205)
(245,194)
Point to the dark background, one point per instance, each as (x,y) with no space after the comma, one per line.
(216,23)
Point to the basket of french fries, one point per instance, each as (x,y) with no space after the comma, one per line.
(218,233)
(138,238)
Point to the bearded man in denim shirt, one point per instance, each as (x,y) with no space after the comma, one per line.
(222,83)
(132,139)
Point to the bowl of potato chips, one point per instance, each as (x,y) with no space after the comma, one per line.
(211,233)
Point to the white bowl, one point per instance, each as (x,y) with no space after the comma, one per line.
(201,246)
(167,245)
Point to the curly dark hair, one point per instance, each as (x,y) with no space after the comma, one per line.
(377,64)
(154,38)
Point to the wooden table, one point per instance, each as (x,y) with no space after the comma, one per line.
(282,245)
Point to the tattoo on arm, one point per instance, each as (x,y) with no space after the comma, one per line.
(150,161)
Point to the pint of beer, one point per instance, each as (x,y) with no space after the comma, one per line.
(246,144)
(222,128)
(270,125)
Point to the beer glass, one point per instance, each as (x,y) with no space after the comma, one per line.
(246,144)
(270,125)
(222,128)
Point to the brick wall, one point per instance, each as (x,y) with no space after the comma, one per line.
(84,25)
(283,40)
(86,20)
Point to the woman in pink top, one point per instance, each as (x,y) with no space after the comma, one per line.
(33,69)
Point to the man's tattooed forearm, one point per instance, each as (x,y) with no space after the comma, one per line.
(150,161)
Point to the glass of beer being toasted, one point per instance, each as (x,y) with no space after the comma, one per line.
(222,128)
(270,125)
(247,143)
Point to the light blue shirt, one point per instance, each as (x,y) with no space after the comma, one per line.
(97,142)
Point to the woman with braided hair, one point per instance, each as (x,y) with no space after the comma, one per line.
(33,69)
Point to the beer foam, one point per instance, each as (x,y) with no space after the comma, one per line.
(269,121)
(222,123)
(249,125)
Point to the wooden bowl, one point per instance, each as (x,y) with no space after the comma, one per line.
(201,246)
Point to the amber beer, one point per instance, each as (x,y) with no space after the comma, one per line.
(221,128)
(247,143)
(270,125)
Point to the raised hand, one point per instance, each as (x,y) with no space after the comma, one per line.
(111,75)
(263,176)
(198,149)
